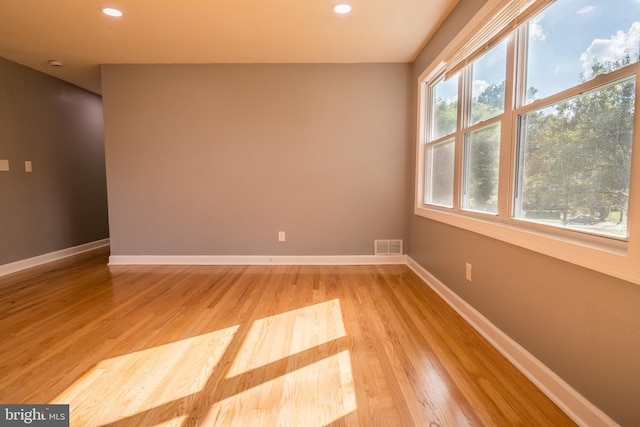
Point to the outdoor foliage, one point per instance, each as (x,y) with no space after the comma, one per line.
(482,152)
(577,153)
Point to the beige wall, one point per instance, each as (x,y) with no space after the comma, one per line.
(59,128)
(583,325)
(216,159)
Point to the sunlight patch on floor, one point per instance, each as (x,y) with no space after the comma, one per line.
(291,368)
(314,395)
(282,335)
(126,385)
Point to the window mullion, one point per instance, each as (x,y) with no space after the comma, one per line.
(464,109)
(519,80)
(507,138)
(424,123)
(520,48)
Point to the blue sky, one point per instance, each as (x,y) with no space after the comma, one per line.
(564,39)
(567,35)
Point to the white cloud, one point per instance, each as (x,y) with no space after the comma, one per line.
(479,86)
(536,31)
(612,49)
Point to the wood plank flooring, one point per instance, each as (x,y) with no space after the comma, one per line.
(252,346)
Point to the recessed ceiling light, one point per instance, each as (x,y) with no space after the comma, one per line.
(111,11)
(342,8)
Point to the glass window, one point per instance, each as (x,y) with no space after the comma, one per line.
(576,161)
(482,161)
(572,41)
(488,83)
(439,185)
(552,168)
(444,107)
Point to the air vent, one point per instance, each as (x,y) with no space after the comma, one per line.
(388,247)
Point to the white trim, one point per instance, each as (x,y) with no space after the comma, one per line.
(256,260)
(608,260)
(576,406)
(52,256)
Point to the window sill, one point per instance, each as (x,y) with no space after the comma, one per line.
(611,260)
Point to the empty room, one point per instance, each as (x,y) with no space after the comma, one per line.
(320,213)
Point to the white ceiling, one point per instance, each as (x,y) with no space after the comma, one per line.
(75,32)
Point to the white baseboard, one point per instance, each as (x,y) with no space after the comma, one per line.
(576,406)
(257,260)
(52,256)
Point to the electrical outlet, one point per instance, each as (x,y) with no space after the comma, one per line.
(4,165)
(28,167)
(468,272)
(281,236)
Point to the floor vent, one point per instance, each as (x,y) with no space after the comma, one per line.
(388,247)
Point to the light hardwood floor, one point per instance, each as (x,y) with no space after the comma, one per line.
(252,346)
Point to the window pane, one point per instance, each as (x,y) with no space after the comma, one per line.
(439,185)
(482,160)
(444,107)
(487,93)
(575,160)
(572,41)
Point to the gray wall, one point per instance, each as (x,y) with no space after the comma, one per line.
(216,159)
(583,325)
(58,127)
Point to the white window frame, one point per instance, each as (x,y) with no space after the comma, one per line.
(614,257)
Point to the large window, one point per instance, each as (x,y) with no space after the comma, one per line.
(532,129)
(575,160)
